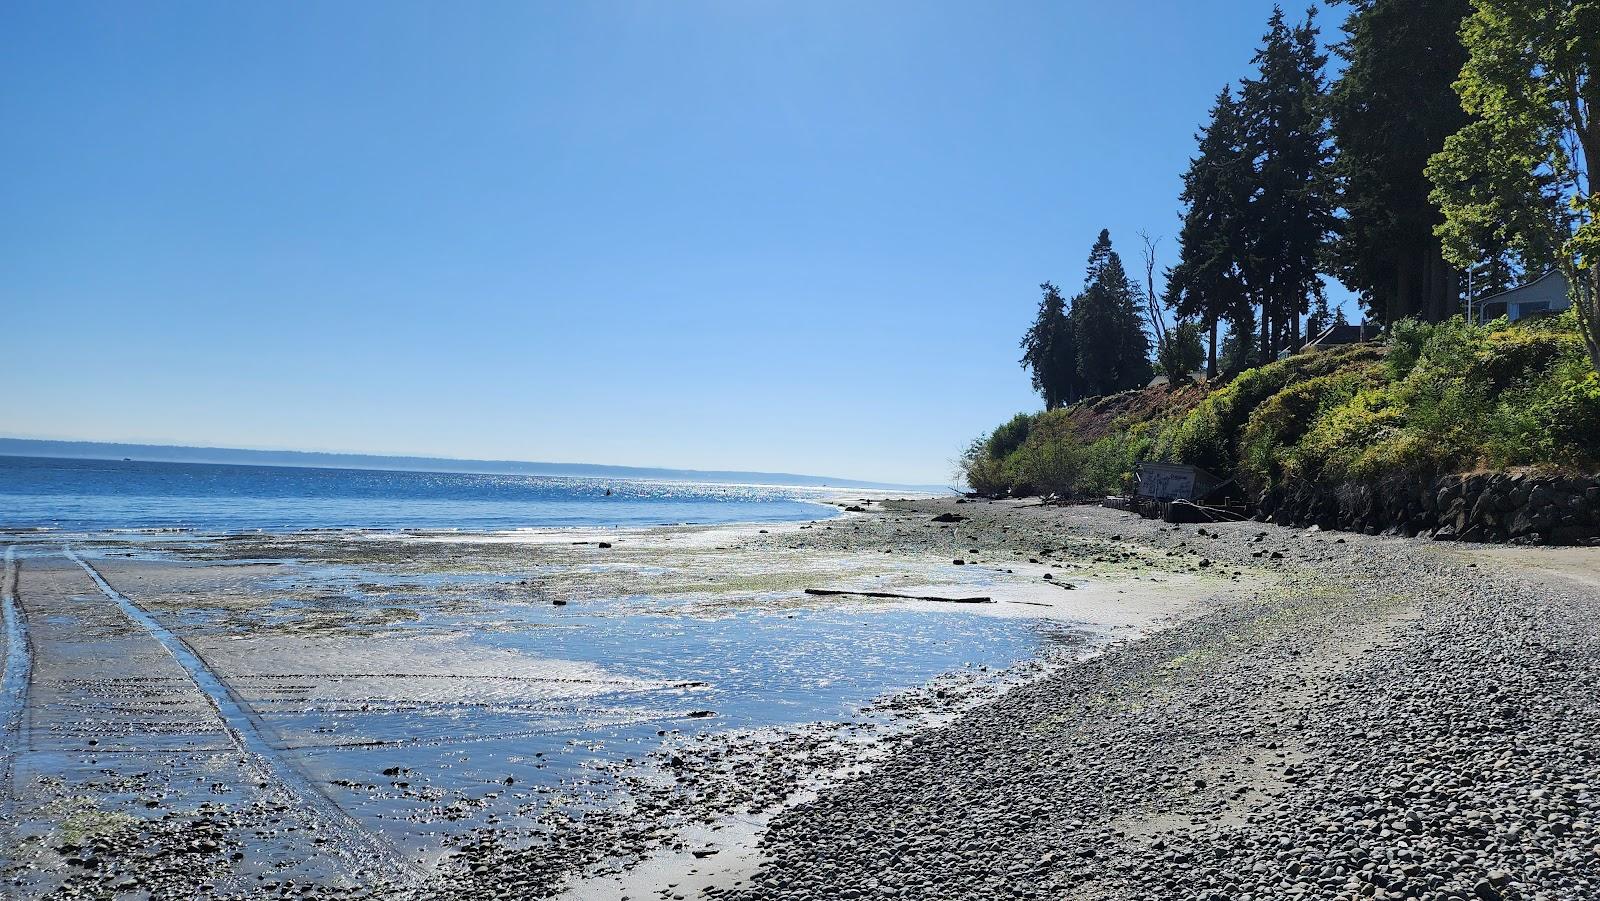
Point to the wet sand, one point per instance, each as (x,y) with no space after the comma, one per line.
(511,715)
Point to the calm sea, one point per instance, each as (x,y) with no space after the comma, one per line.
(94,495)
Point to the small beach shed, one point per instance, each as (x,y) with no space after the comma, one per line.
(1173,482)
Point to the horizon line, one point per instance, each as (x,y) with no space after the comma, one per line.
(351,458)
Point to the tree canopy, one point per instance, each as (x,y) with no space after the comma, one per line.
(1458,137)
(1518,175)
(1113,349)
(1391,109)
(1258,199)
(1050,351)
(1207,284)
(1094,345)
(1291,208)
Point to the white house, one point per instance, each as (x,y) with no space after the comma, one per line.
(1545,294)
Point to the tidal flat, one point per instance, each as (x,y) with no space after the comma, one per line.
(509,714)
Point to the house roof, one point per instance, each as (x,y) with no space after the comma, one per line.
(1336,334)
(1523,286)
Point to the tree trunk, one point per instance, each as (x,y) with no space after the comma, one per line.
(1266,335)
(1438,296)
(1404,287)
(1585,284)
(1585,293)
(1426,292)
(1211,353)
(1450,287)
(1589,317)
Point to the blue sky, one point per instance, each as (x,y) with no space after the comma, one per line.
(799,236)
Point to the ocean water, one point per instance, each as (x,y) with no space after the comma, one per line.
(76,495)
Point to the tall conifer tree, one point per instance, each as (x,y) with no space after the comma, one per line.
(1207,283)
(1050,352)
(1291,207)
(1113,349)
(1392,109)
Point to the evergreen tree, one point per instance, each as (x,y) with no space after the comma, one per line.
(1050,352)
(1319,318)
(1112,348)
(1238,352)
(1392,109)
(1291,206)
(1258,201)
(1207,283)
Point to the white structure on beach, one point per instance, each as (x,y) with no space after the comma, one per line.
(1173,481)
(1545,294)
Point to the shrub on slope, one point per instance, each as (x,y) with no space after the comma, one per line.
(1436,398)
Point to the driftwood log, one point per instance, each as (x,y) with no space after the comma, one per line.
(904,597)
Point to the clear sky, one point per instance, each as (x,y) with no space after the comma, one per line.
(799,236)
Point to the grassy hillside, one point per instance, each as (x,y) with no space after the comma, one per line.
(1433,399)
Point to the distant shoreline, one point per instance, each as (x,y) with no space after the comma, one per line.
(162,453)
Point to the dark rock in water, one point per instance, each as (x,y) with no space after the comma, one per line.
(959,562)
(949,517)
(605,544)
(558,602)
(701,714)
(855,508)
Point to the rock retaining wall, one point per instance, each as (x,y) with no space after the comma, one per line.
(1500,506)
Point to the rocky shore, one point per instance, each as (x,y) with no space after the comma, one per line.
(1524,508)
(1395,719)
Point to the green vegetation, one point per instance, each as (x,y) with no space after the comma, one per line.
(1520,175)
(1094,344)
(1445,397)
(1391,109)
(1458,139)
(1259,200)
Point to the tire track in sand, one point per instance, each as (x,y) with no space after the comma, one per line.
(244,728)
(15,677)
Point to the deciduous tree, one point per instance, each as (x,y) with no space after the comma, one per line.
(1520,172)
